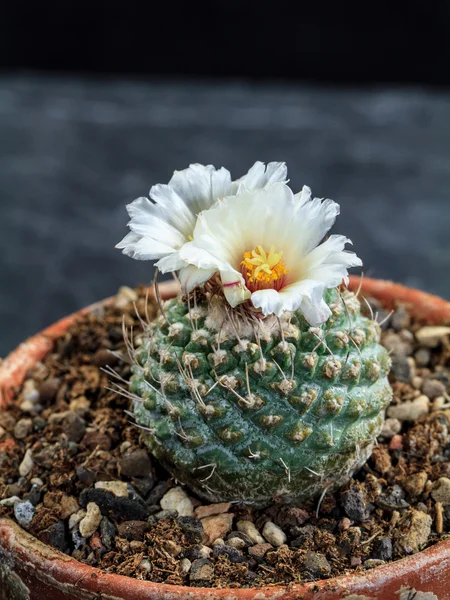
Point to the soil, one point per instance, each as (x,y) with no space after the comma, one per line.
(74,473)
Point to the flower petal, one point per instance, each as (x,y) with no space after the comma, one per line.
(200,186)
(329,261)
(173,209)
(190,277)
(259,176)
(233,286)
(171,262)
(289,298)
(147,221)
(141,248)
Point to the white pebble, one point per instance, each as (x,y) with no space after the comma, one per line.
(30,392)
(431,336)
(274,534)
(76,518)
(185,566)
(9,501)
(410,410)
(177,499)
(91,521)
(118,488)
(218,542)
(27,464)
(250,531)
(24,512)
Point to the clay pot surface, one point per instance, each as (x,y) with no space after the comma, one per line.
(30,570)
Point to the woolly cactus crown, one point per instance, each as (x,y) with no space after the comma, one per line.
(262,380)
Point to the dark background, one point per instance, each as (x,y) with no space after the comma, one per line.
(101,100)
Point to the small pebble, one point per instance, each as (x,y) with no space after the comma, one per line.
(118,507)
(91,521)
(73,426)
(118,488)
(441,491)
(30,392)
(344,524)
(34,495)
(250,531)
(400,319)
(396,443)
(396,345)
(48,390)
(166,514)
(433,388)
(108,532)
(235,542)
(133,530)
(192,528)
(422,357)
(218,542)
(232,554)
(29,407)
(11,501)
(415,484)
(258,551)
(22,428)
(410,410)
(184,566)
(146,565)
(76,518)
(55,535)
(417,382)
(316,564)
(217,526)
(402,368)
(412,532)
(27,464)
(382,549)
(371,563)
(196,552)
(274,534)
(212,509)
(177,499)
(432,335)
(24,513)
(136,463)
(390,428)
(438,403)
(69,506)
(354,504)
(202,571)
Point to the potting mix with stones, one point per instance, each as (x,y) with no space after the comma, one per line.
(235,436)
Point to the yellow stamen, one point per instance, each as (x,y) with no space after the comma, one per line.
(263,267)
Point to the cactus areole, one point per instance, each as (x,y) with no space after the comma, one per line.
(261,382)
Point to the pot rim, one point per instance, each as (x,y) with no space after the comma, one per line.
(418,569)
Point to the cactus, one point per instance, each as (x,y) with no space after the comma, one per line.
(263,382)
(260,409)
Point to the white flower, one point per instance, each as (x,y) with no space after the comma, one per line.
(160,228)
(264,245)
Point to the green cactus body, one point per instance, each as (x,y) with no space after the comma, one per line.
(260,410)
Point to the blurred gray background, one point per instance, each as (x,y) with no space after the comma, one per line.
(74,151)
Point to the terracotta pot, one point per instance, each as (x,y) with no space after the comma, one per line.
(32,570)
